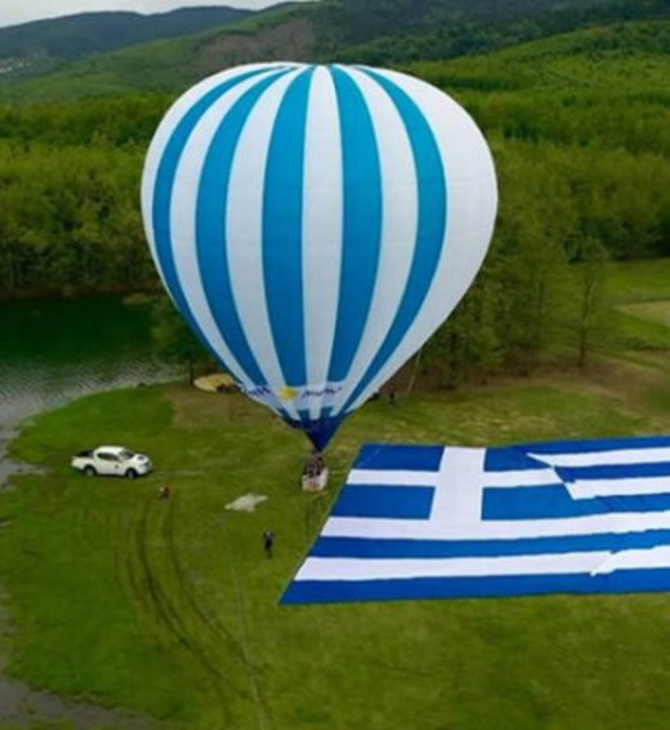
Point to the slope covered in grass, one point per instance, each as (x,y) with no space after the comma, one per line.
(171,608)
(381,32)
(37,46)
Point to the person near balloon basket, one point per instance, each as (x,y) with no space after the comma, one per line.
(315,473)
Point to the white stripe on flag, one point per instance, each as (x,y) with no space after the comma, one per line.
(592,563)
(493,530)
(390,478)
(404,478)
(358,569)
(521,478)
(590,488)
(618,457)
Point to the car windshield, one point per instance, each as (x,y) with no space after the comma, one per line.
(126,454)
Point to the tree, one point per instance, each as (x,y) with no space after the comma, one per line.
(591,275)
(173,339)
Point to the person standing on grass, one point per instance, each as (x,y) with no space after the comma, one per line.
(391,392)
(268,542)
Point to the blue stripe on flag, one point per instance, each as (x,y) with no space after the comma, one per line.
(163,191)
(282,230)
(432,223)
(211,228)
(397,458)
(384,502)
(337,591)
(623,581)
(361,547)
(510,459)
(361,225)
(555,502)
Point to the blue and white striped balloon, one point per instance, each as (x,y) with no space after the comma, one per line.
(315,225)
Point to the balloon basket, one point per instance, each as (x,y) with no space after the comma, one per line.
(316,482)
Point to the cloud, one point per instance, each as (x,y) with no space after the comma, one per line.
(13,12)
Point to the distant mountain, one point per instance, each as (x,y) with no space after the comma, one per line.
(378,32)
(42,45)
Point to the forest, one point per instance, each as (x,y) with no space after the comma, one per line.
(579,129)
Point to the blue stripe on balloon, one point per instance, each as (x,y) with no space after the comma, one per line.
(362,222)
(282,230)
(211,218)
(163,191)
(432,193)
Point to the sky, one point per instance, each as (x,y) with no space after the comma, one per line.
(13,12)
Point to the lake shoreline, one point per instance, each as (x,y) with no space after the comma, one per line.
(121,289)
(9,467)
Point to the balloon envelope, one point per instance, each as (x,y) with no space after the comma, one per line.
(315,225)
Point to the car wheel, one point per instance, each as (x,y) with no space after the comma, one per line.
(90,471)
(131,474)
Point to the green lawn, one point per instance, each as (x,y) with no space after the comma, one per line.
(653,311)
(170,609)
(639,281)
(639,316)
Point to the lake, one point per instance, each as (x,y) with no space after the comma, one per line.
(53,350)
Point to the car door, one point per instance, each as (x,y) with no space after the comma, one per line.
(107,463)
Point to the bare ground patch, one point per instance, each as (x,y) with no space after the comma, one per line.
(294,40)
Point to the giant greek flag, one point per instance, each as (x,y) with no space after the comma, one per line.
(415,522)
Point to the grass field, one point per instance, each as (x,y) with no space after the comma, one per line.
(170,609)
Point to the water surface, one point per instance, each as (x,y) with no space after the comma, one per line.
(54,350)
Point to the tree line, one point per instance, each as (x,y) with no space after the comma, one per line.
(583,173)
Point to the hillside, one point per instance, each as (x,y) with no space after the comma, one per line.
(380,32)
(604,87)
(42,45)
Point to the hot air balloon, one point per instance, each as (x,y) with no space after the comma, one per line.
(315,225)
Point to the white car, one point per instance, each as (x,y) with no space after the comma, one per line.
(112,461)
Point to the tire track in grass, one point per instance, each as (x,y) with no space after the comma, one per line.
(147,586)
(219,631)
(213,624)
(168,612)
(262,710)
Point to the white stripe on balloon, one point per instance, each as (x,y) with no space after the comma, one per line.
(399,224)
(244,231)
(474,221)
(322,244)
(162,136)
(183,221)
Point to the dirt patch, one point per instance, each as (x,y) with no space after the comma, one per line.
(192,408)
(654,311)
(9,468)
(293,40)
(21,705)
